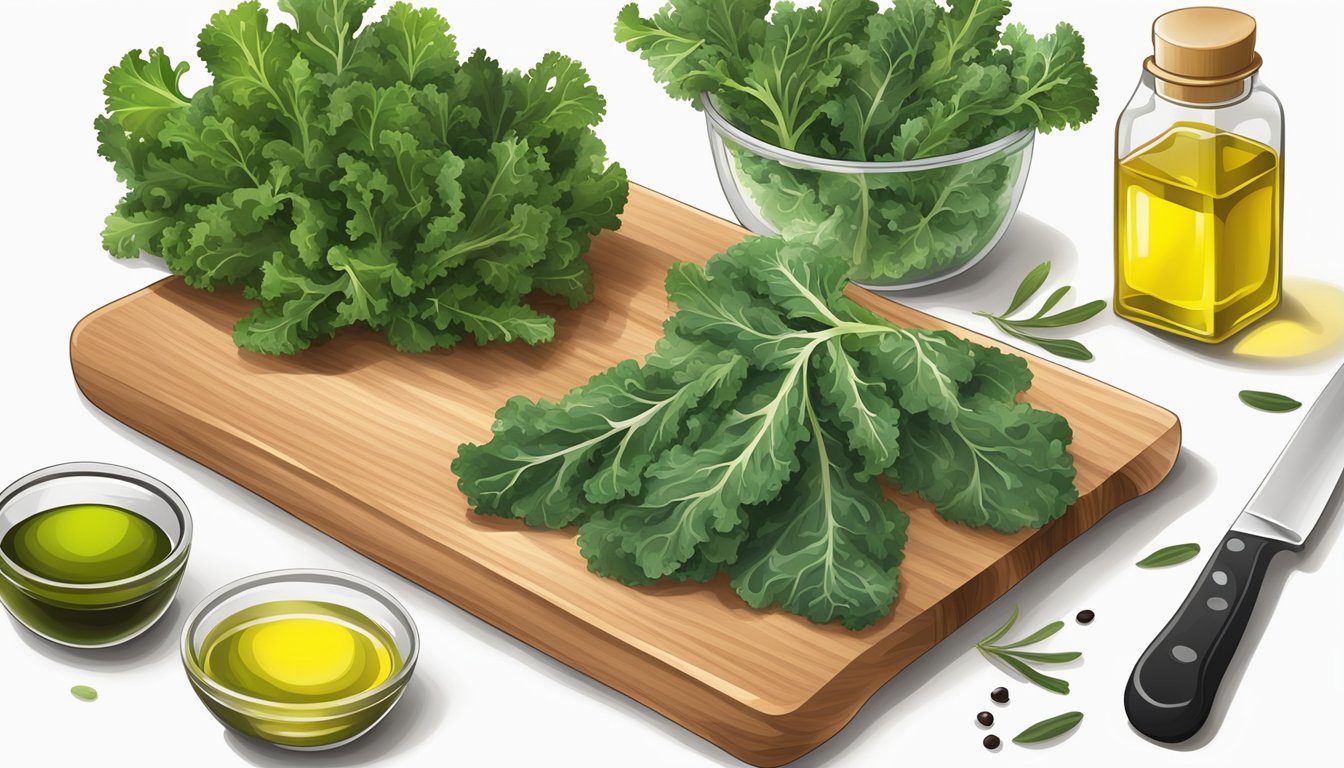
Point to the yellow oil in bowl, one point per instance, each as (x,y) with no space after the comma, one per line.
(299,652)
(305,660)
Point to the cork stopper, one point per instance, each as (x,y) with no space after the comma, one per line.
(1202,55)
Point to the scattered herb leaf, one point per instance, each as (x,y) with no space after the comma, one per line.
(1071,316)
(1049,729)
(1066,348)
(1050,303)
(1001,631)
(1020,661)
(750,442)
(1176,553)
(1037,636)
(1062,657)
(1029,286)
(1268,401)
(84,693)
(1052,684)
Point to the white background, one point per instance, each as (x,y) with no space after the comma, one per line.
(482,698)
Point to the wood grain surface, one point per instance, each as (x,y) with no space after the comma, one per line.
(356,440)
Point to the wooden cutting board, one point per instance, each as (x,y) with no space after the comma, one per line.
(356,440)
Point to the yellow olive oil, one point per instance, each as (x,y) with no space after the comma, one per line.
(1198,232)
(299,652)
(1307,325)
(86,544)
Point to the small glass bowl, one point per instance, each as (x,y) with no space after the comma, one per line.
(311,726)
(899,224)
(100,614)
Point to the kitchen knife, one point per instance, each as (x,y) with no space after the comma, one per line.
(1171,690)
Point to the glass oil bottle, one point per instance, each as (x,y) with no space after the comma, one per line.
(1199,181)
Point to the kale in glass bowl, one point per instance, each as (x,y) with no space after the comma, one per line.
(895,137)
(898,224)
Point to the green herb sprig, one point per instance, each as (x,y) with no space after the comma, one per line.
(1019,328)
(1173,555)
(1049,729)
(1020,661)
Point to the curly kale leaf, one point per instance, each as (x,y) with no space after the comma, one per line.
(555,464)
(882,76)
(829,546)
(694,494)
(362,175)
(997,464)
(697,45)
(144,92)
(750,441)
(846,79)
(1052,87)
(779,72)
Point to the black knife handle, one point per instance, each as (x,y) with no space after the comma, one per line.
(1173,684)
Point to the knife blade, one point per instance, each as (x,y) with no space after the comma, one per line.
(1174,682)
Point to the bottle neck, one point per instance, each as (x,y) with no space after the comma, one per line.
(1203,96)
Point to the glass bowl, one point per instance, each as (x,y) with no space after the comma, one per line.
(105,613)
(899,224)
(307,726)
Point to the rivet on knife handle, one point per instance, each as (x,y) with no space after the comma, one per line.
(1174,682)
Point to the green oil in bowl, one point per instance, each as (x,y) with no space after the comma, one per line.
(91,554)
(86,544)
(303,674)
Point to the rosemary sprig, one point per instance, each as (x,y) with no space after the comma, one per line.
(1020,661)
(1067,348)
